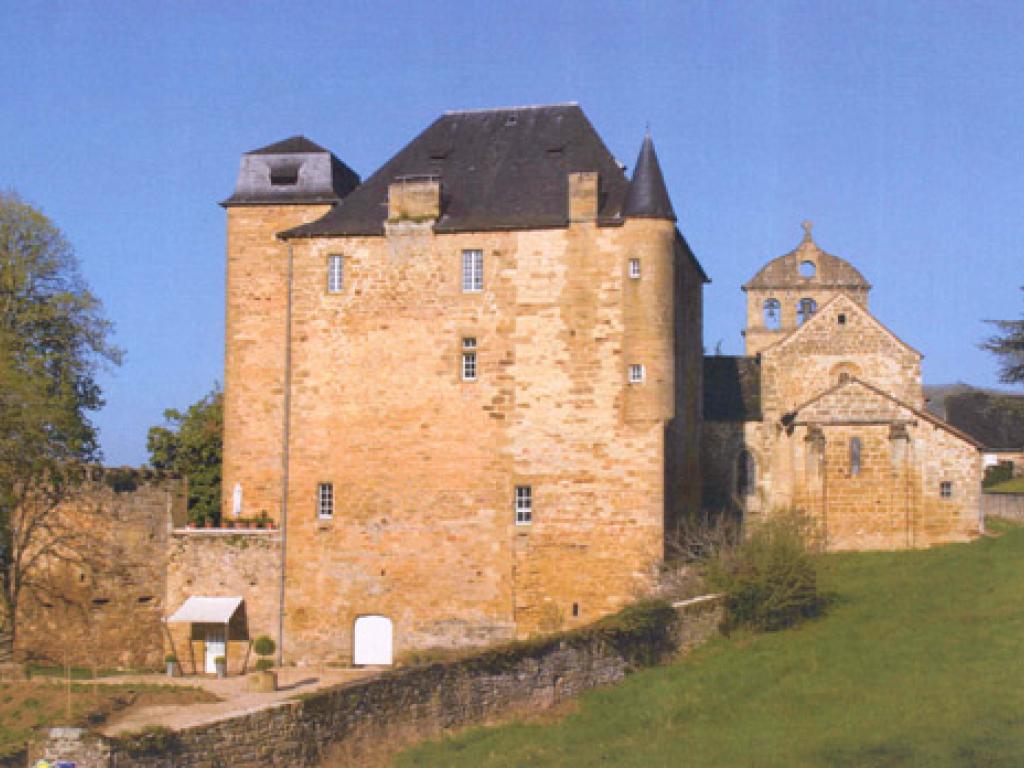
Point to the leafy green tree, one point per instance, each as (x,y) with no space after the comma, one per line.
(192,445)
(53,341)
(1008,346)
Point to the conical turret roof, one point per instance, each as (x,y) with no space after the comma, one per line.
(647,196)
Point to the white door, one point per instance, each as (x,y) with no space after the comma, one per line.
(372,640)
(215,646)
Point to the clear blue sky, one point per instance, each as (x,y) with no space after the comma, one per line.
(895,126)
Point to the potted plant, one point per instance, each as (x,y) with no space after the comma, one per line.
(221,664)
(264,521)
(264,679)
(173,668)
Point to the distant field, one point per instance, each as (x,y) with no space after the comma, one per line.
(919,663)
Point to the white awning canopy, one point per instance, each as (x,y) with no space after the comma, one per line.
(207,610)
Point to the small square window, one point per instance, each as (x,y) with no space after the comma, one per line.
(472,271)
(325,501)
(634,268)
(636,373)
(946,489)
(335,273)
(469,358)
(524,504)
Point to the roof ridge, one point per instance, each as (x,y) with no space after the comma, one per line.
(510,108)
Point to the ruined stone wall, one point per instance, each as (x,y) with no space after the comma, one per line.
(425,465)
(254,348)
(223,563)
(366,722)
(99,599)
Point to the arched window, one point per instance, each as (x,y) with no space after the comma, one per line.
(746,474)
(843,372)
(854,456)
(804,309)
(772,314)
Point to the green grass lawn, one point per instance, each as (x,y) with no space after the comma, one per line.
(919,662)
(1016,485)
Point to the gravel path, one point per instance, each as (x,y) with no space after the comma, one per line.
(235,697)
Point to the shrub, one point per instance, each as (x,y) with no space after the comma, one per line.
(770,579)
(170,658)
(264,646)
(263,664)
(998,473)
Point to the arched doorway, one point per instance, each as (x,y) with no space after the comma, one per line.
(372,641)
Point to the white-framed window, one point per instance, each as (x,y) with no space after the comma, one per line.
(634,268)
(524,504)
(946,489)
(472,271)
(636,373)
(335,273)
(469,358)
(325,501)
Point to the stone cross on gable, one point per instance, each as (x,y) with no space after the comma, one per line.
(807,225)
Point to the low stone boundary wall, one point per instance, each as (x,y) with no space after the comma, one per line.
(1005,505)
(365,722)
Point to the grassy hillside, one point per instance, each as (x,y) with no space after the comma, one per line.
(919,663)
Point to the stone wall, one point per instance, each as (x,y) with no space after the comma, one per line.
(223,563)
(364,722)
(98,600)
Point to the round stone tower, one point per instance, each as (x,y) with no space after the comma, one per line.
(788,290)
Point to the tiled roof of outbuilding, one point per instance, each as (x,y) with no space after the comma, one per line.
(996,421)
(499,169)
(732,388)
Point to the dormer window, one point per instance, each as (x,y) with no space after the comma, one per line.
(284,175)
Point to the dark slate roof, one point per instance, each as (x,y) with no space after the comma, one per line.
(995,421)
(318,176)
(647,196)
(296,145)
(499,169)
(732,388)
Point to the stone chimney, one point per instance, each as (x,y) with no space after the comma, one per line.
(583,187)
(414,198)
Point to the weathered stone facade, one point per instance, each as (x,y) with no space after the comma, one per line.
(839,431)
(99,600)
(366,380)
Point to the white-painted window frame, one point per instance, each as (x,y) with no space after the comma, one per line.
(325,501)
(637,373)
(524,504)
(469,359)
(946,489)
(472,270)
(634,269)
(335,273)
